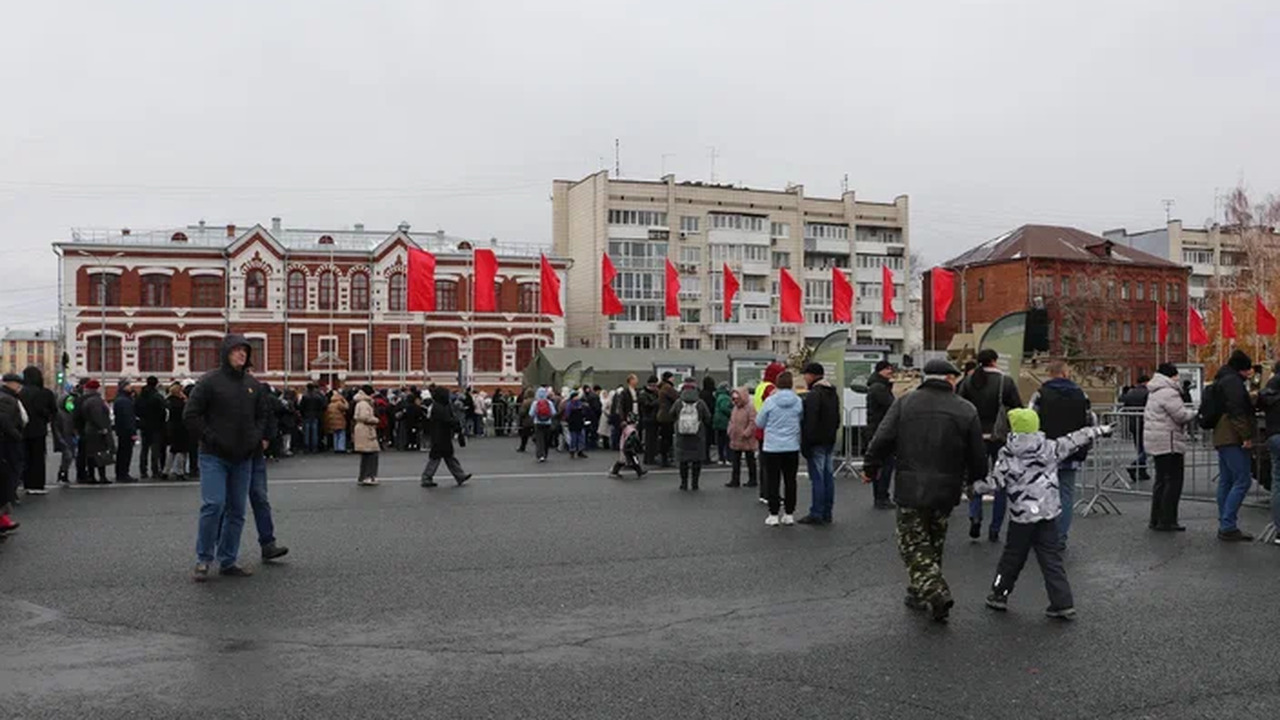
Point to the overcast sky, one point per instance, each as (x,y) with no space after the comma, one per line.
(458,115)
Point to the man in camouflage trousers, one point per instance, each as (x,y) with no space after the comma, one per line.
(936,437)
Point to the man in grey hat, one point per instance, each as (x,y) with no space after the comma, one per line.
(937,439)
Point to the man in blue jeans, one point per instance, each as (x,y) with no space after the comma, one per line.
(1233,439)
(271,550)
(818,427)
(225,414)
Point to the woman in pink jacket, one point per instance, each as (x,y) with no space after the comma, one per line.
(742,438)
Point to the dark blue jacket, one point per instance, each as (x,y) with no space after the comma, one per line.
(126,419)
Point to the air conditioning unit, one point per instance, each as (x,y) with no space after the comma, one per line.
(684,234)
(613,324)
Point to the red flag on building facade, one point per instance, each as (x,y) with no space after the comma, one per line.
(841,297)
(942,285)
(673,290)
(486,272)
(1162,324)
(1228,321)
(1266,321)
(886,296)
(730,290)
(422,281)
(609,302)
(789,310)
(1196,332)
(549,290)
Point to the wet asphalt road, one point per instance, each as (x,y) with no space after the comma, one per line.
(550,591)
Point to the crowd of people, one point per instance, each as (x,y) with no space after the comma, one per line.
(961,433)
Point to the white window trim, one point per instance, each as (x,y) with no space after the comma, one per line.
(260,363)
(198,272)
(406,350)
(103,270)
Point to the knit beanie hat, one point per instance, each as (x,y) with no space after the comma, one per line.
(1024,421)
(1239,361)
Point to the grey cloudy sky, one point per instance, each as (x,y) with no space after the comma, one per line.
(458,115)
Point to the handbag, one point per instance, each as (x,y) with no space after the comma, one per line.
(1000,432)
(106,454)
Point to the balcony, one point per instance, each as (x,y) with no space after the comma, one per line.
(738,237)
(757,297)
(628,327)
(739,329)
(757,267)
(829,246)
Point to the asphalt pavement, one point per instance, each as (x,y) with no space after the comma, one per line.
(552,591)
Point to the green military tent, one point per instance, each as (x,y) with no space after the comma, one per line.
(609,368)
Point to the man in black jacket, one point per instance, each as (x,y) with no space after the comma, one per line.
(1133,402)
(1233,439)
(124,415)
(150,408)
(225,416)
(92,421)
(1063,408)
(937,438)
(668,396)
(818,427)
(1269,402)
(41,409)
(879,400)
(12,421)
(312,407)
(648,401)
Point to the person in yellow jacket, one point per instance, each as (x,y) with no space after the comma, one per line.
(762,392)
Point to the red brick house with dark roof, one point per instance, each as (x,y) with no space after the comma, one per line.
(1100,298)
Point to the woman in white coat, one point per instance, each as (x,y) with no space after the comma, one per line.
(1164,435)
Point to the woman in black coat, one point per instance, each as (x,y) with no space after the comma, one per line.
(176,434)
(442,426)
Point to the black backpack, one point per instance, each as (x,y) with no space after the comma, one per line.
(1210,410)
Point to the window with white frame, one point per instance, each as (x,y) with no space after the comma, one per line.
(781,260)
(691,256)
(690,344)
(645,218)
(780,229)
(735,221)
(691,315)
(690,223)
(755,253)
(826,231)
(754,283)
(817,292)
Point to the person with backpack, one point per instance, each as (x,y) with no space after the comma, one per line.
(780,418)
(543,412)
(575,421)
(1228,410)
(692,423)
(993,394)
(1063,408)
(1164,435)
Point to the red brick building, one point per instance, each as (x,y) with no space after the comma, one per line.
(1100,298)
(323,306)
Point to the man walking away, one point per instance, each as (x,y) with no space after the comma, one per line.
(12,420)
(444,425)
(226,415)
(692,423)
(1133,402)
(818,429)
(1063,409)
(151,419)
(992,393)
(124,414)
(937,438)
(1269,402)
(879,400)
(65,440)
(543,412)
(312,407)
(1233,439)
(42,409)
(668,396)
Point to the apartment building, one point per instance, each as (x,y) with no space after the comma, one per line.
(20,349)
(701,227)
(1215,254)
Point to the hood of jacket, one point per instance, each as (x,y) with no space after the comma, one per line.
(541,393)
(1064,386)
(772,372)
(33,376)
(361,396)
(878,379)
(689,394)
(1164,382)
(229,343)
(823,383)
(787,399)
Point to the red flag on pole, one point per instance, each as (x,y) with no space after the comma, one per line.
(942,284)
(789,311)
(673,290)
(1228,321)
(609,302)
(886,296)
(486,272)
(1162,324)
(1196,332)
(422,281)
(841,297)
(730,290)
(549,290)
(1266,321)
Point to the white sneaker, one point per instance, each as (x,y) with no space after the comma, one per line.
(771,521)
(37,492)
(763,501)
(787,519)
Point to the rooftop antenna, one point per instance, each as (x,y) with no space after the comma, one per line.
(617,159)
(713,163)
(1168,210)
(844,184)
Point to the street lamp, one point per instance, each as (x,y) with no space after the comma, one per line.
(102,303)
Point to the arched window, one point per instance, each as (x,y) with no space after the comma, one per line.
(155,291)
(529,298)
(155,354)
(488,355)
(255,289)
(446,295)
(359,291)
(297,290)
(104,289)
(204,353)
(395,293)
(442,355)
(328,290)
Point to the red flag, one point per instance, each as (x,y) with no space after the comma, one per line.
(1162,324)
(942,285)
(609,302)
(1228,321)
(422,281)
(841,297)
(886,296)
(730,290)
(1266,321)
(673,290)
(549,290)
(1196,332)
(789,311)
(486,272)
